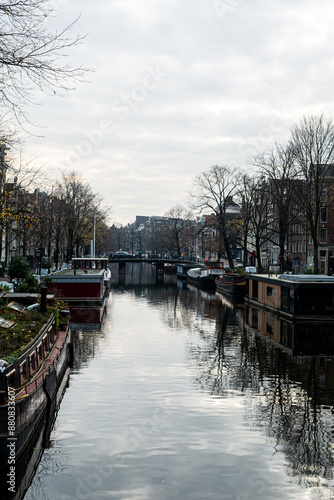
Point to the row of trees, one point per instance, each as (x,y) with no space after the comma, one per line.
(285,185)
(35,220)
(289,183)
(53,223)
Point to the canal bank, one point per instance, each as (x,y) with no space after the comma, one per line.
(173,398)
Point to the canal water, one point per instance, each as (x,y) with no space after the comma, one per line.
(176,398)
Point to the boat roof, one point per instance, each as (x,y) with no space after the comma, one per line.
(90,258)
(78,272)
(293,278)
(307,278)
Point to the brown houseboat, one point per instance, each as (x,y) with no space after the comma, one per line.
(292,296)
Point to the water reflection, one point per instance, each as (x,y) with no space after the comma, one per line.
(137,273)
(86,343)
(295,391)
(290,397)
(187,400)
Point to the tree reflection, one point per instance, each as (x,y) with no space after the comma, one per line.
(290,397)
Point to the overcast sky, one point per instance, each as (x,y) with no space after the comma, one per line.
(180,86)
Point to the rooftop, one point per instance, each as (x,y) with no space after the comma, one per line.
(307,278)
(78,272)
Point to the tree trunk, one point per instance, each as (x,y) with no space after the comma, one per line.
(245,259)
(258,253)
(228,251)
(316,257)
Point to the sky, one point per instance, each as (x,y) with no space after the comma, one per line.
(179,86)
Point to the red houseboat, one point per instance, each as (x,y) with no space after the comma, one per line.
(85,286)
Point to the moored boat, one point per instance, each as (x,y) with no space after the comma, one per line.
(205,276)
(293,296)
(232,283)
(85,286)
(27,387)
(182,269)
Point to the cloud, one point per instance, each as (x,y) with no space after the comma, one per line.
(230,82)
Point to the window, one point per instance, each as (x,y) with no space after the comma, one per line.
(287,299)
(11,380)
(269,329)
(323,214)
(270,291)
(23,371)
(32,362)
(39,352)
(45,344)
(324,194)
(255,290)
(323,235)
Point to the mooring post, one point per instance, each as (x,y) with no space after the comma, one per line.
(44,289)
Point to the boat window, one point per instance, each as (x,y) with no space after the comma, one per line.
(32,362)
(311,301)
(269,329)
(23,371)
(255,289)
(11,380)
(51,334)
(40,352)
(45,344)
(270,291)
(287,298)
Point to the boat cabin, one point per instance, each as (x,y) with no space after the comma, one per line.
(292,295)
(90,262)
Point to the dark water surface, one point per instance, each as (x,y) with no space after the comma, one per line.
(175,398)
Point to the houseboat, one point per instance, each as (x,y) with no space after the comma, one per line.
(292,296)
(28,386)
(233,284)
(182,269)
(85,286)
(205,277)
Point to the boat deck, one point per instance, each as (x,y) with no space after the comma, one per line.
(78,272)
(39,376)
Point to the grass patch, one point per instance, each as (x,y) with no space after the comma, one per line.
(27,326)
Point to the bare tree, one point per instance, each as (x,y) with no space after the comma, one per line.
(280,180)
(30,54)
(313,147)
(16,211)
(82,205)
(243,223)
(213,192)
(257,202)
(178,229)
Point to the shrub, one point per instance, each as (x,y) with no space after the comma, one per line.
(18,268)
(29,285)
